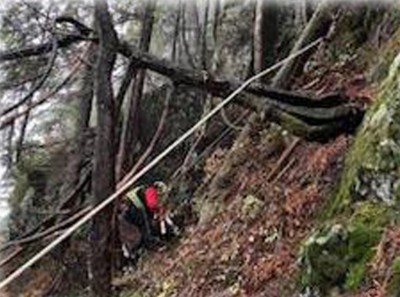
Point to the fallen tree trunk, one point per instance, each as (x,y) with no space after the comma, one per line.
(303,116)
(308,117)
(83,34)
(178,74)
(41,49)
(220,183)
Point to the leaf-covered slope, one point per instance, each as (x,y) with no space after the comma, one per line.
(249,247)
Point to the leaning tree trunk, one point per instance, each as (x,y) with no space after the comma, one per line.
(103,180)
(74,178)
(317,27)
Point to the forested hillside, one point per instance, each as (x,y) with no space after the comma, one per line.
(199,148)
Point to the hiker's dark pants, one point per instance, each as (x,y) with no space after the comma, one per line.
(136,217)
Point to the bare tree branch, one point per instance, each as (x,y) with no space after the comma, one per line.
(82,29)
(37,85)
(10,119)
(21,138)
(15,84)
(11,256)
(40,235)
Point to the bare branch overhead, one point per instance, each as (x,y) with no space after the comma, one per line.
(37,85)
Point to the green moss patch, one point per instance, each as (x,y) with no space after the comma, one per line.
(337,254)
(372,170)
(251,207)
(394,282)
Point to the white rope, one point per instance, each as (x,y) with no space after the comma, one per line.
(149,166)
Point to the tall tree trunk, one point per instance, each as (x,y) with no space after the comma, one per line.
(130,132)
(217,11)
(22,132)
(206,98)
(300,11)
(9,147)
(265,34)
(103,180)
(184,37)
(204,51)
(78,154)
(129,136)
(175,47)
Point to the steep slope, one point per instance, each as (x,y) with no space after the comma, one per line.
(251,243)
(249,248)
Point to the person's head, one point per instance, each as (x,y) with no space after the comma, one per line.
(160,187)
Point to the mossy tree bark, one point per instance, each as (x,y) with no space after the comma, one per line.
(373,165)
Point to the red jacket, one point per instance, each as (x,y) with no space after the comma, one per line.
(151,200)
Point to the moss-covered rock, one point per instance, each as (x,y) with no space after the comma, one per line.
(337,254)
(367,197)
(373,165)
(30,172)
(251,207)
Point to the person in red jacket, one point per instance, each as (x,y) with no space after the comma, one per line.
(154,199)
(136,224)
(144,221)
